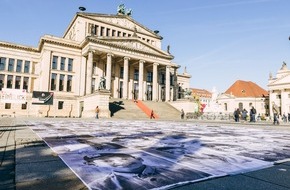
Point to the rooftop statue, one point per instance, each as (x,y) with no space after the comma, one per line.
(123,11)
(284,66)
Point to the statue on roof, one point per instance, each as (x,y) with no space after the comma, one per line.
(123,11)
(284,66)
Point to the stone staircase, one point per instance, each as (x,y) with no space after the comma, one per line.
(127,109)
(164,110)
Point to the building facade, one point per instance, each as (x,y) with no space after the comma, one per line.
(244,95)
(97,52)
(279,91)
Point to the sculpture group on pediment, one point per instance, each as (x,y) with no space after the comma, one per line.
(122,10)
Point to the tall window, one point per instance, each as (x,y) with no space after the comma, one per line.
(241,106)
(61,82)
(70,65)
(60,105)
(54,62)
(19,66)
(226,107)
(149,76)
(136,74)
(62,63)
(9,81)
(122,72)
(69,83)
(53,81)
(162,78)
(2,63)
(2,81)
(25,83)
(93,85)
(11,64)
(171,79)
(26,66)
(17,82)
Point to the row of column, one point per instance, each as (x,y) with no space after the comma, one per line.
(126,77)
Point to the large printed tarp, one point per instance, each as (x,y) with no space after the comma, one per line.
(42,98)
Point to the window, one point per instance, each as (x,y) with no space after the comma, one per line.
(69,83)
(62,63)
(26,66)
(17,82)
(226,107)
(136,74)
(7,106)
(60,105)
(149,76)
(162,78)
(102,31)
(61,82)
(2,81)
(241,106)
(288,95)
(54,62)
(278,96)
(9,81)
(122,72)
(24,106)
(171,80)
(11,65)
(108,32)
(2,63)
(53,81)
(93,85)
(70,65)
(19,66)
(25,83)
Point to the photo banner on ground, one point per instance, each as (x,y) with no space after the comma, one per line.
(16,96)
(42,98)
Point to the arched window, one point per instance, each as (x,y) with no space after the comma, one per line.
(240,106)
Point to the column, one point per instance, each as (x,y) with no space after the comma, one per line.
(155,83)
(141,77)
(109,71)
(89,73)
(284,97)
(126,77)
(81,81)
(167,84)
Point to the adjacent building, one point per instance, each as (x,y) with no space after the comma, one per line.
(279,91)
(111,52)
(244,95)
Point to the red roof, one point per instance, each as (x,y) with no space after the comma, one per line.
(201,92)
(246,89)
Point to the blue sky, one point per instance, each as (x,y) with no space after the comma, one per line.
(218,41)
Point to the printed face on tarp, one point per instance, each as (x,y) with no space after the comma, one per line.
(42,98)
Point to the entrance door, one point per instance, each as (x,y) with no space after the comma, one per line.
(136,91)
(121,90)
(149,92)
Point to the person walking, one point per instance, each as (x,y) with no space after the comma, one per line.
(276,119)
(97,112)
(237,115)
(253,114)
(244,114)
(152,115)
(182,114)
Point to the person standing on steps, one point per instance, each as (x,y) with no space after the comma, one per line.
(97,112)
(182,114)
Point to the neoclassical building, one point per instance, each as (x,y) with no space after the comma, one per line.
(112,48)
(279,90)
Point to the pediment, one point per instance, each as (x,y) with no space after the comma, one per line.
(285,79)
(133,45)
(224,96)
